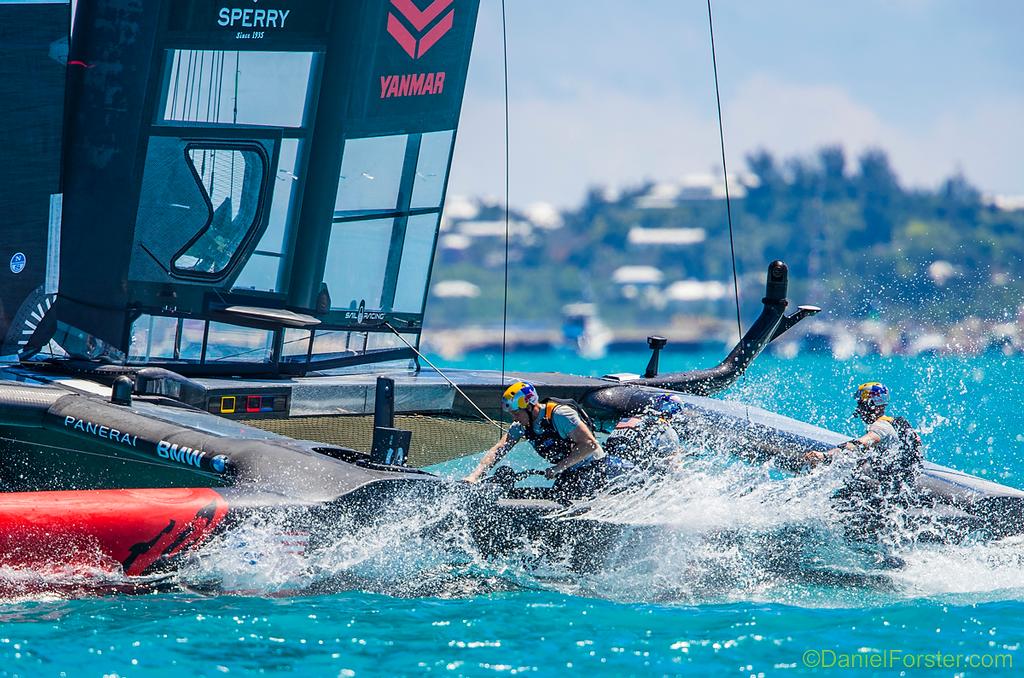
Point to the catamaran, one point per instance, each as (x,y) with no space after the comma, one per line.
(220,221)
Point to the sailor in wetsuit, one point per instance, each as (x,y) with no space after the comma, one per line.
(888,459)
(561,434)
(648,437)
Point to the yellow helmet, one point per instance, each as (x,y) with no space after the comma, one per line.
(873,393)
(519,396)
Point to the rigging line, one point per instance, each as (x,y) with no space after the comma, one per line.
(504,305)
(186,112)
(177,74)
(131,460)
(212,87)
(184,87)
(444,376)
(218,59)
(197,81)
(213,109)
(216,111)
(725,174)
(199,88)
(186,97)
(220,87)
(234,118)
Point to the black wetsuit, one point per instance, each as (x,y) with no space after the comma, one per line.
(586,477)
(883,481)
(644,440)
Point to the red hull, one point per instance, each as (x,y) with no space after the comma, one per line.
(127,530)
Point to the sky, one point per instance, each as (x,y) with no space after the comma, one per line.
(613,93)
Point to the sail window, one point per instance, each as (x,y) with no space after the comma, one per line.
(231,180)
(190,344)
(240,88)
(286,184)
(295,344)
(417,256)
(371,173)
(357,259)
(379,341)
(431,169)
(339,344)
(231,343)
(345,343)
(260,273)
(153,337)
(402,177)
(163,339)
(262,269)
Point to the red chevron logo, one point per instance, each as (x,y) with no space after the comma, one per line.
(419,19)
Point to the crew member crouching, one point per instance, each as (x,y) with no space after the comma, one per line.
(888,459)
(561,433)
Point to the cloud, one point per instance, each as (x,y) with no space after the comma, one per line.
(983,138)
(604,136)
(788,118)
(561,146)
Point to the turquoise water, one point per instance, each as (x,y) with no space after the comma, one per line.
(693,597)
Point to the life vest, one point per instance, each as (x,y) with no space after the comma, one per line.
(548,444)
(643,439)
(908,437)
(903,462)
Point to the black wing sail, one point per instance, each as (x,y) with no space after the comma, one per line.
(258,185)
(33,58)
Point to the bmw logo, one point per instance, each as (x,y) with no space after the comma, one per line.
(219,463)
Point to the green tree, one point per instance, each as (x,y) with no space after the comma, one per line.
(878,191)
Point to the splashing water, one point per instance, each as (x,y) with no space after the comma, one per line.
(717,566)
(707,528)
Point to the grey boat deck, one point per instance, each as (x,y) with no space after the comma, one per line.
(424,392)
